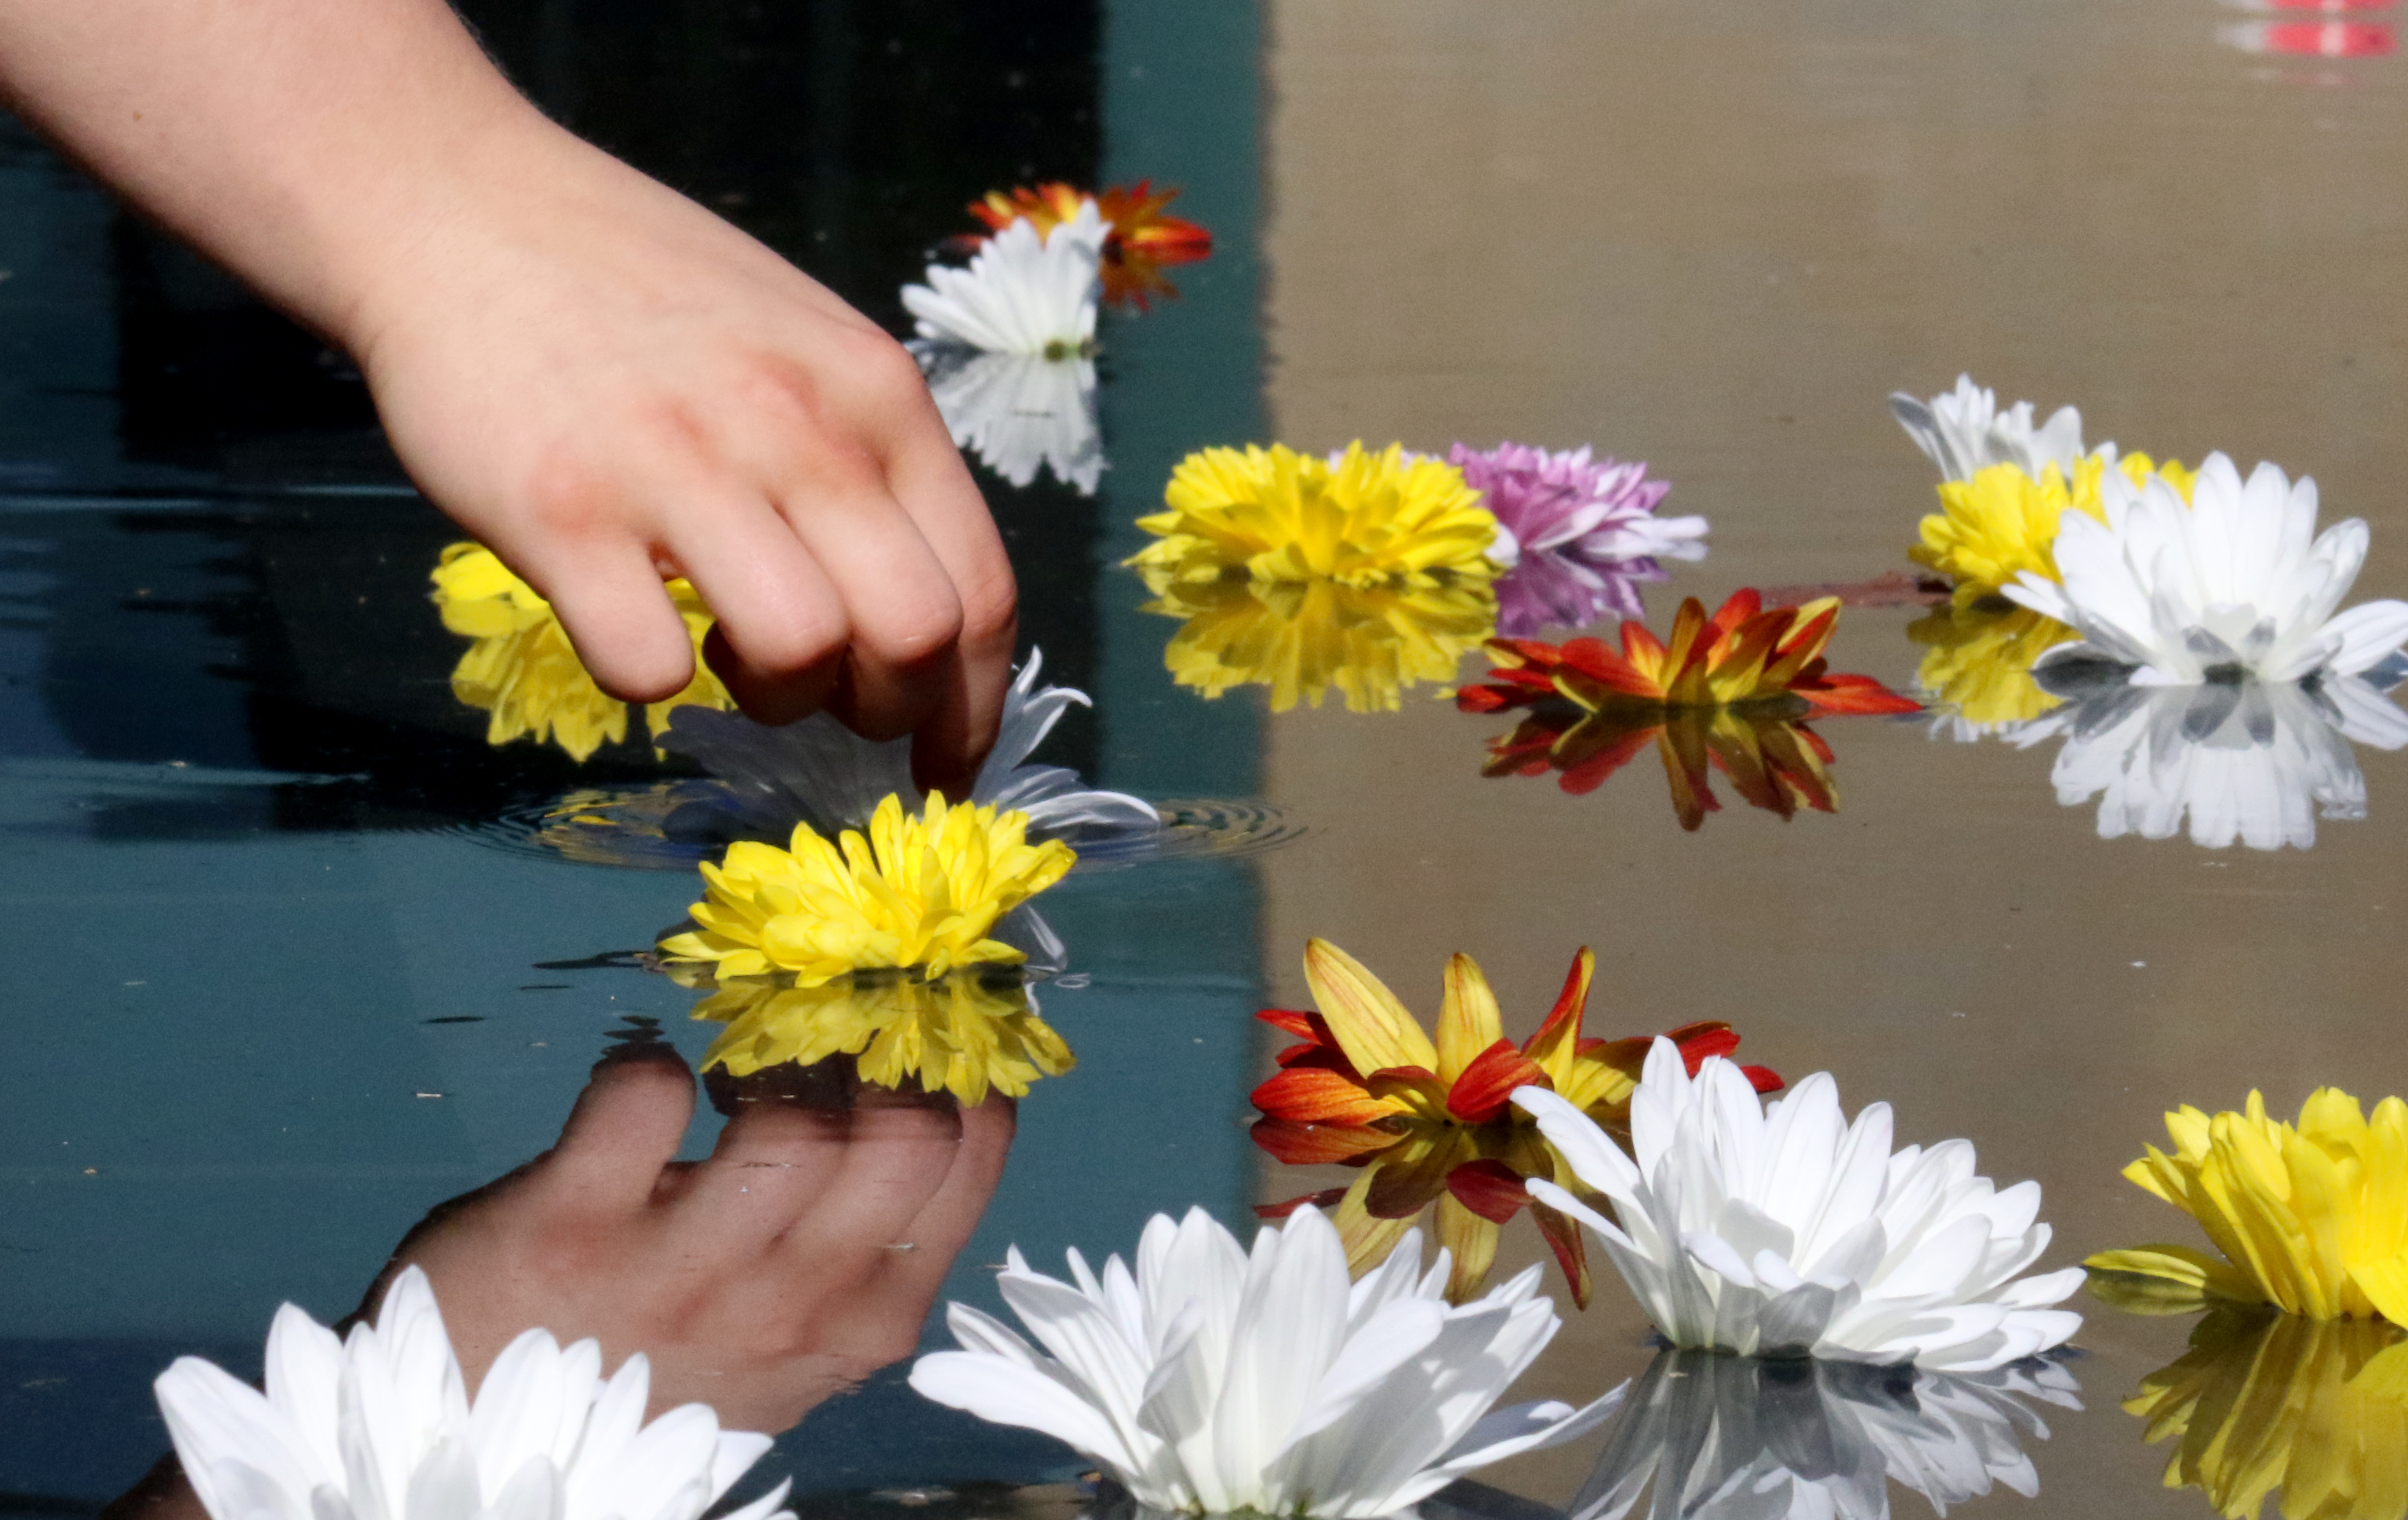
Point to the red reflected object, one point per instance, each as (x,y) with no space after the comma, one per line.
(2316,39)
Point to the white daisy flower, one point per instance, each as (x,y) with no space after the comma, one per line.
(2248,761)
(2236,583)
(1789,1231)
(821,772)
(380,1426)
(1021,414)
(1964,432)
(1210,1382)
(1738,1436)
(1022,293)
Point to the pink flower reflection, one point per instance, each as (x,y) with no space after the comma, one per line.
(2313,39)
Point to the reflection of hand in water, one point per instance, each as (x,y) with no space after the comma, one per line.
(801,1255)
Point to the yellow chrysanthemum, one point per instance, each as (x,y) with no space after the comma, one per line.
(2313,1220)
(522,670)
(1389,519)
(2002,521)
(960,1034)
(921,892)
(1302,639)
(2263,1402)
(1979,657)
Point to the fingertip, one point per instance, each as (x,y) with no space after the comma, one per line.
(627,1126)
(626,631)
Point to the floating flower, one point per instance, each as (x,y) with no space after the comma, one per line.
(1024,292)
(2228,586)
(2313,1220)
(1138,238)
(1977,666)
(2262,1401)
(1965,433)
(2253,760)
(1358,518)
(1736,1437)
(380,1423)
(523,672)
(2004,521)
(1301,638)
(1744,654)
(1789,1231)
(962,1033)
(1773,760)
(1019,414)
(1430,1122)
(1209,1382)
(819,774)
(1579,534)
(920,892)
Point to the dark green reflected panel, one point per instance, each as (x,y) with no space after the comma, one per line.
(276,995)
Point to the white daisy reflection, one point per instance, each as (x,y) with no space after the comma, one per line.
(2255,761)
(1740,1437)
(1019,413)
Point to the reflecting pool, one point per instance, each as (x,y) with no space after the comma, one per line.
(350,911)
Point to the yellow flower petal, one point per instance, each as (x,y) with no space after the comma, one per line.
(1372,1027)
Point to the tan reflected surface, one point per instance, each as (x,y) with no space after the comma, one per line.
(1715,237)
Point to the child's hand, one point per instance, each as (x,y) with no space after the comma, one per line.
(608,385)
(600,380)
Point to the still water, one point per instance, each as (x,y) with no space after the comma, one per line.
(298,963)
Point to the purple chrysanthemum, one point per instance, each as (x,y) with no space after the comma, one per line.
(1579,534)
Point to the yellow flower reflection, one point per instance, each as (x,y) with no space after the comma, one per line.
(1978,659)
(2002,521)
(523,672)
(922,892)
(1300,639)
(1368,573)
(963,1034)
(2263,1402)
(2313,1219)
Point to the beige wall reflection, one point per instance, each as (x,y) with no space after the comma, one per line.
(1714,238)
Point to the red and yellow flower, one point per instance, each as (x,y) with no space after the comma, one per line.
(1773,760)
(1139,239)
(1744,654)
(1432,1120)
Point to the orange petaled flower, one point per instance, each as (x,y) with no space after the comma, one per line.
(1138,239)
(1773,760)
(1433,1121)
(1744,654)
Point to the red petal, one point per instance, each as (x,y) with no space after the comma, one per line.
(1295,1021)
(1702,1040)
(1328,1198)
(1316,1095)
(1591,773)
(1487,1084)
(1744,603)
(1489,1188)
(1763,1078)
(1563,1237)
(1854,695)
(1321,1144)
(1482,698)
